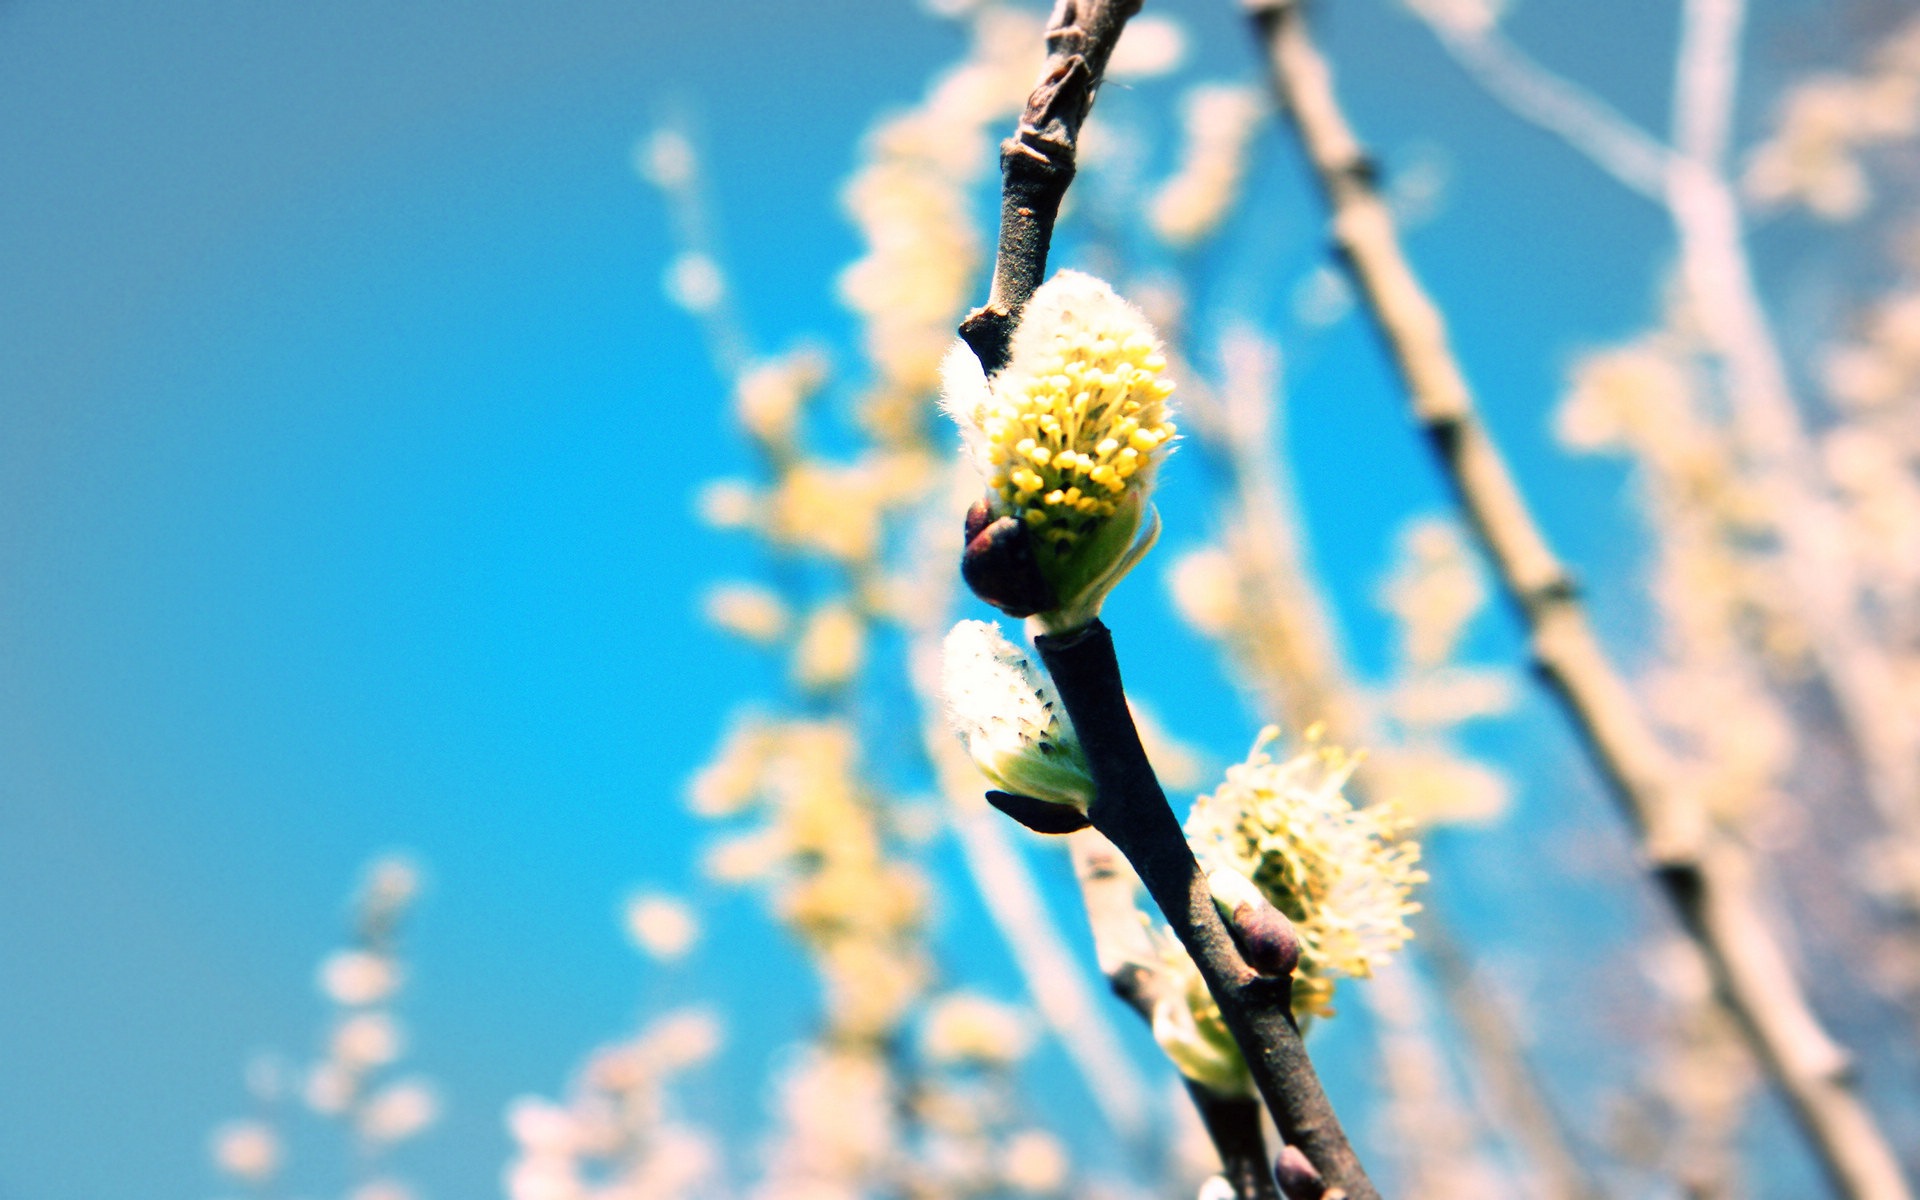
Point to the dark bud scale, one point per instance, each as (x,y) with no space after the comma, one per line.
(999,564)
(1041,816)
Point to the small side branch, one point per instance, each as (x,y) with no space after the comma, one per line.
(1583,120)
(1131,811)
(1705,876)
(1126,955)
(1038,161)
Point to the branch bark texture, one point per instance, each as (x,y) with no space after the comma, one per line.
(1131,811)
(1705,876)
(1037,163)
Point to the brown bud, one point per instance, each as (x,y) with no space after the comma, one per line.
(1261,932)
(999,565)
(979,516)
(1297,1177)
(1267,940)
(1041,816)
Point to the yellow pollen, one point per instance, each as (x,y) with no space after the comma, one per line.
(1068,436)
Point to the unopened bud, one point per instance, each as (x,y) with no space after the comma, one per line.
(1000,566)
(1262,933)
(1297,1177)
(1014,727)
(1041,816)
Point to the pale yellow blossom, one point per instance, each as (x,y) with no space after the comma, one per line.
(661,926)
(1068,437)
(249,1151)
(748,611)
(1343,875)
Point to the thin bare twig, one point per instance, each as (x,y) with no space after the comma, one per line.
(1809,523)
(1584,121)
(1126,956)
(1705,877)
(1037,164)
(1690,180)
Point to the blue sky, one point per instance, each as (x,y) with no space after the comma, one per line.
(346,450)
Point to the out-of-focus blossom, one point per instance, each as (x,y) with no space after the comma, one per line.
(666,159)
(682,1039)
(1828,122)
(1033,1161)
(694,282)
(330,1088)
(1219,122)
(663,927)
(399,1111)
(1150,46)
(1205,585)
(539,1126)
(249,1151)
(1437,590)
(748,611)
(831,649)
(770,397)
(367,1040)
(392,883)
(1435,787)
(728,504)
(356,978)
(962,1027)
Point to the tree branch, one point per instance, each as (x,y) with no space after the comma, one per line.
(1689,180)
(1037,164)
(1130,809)
(1704,876)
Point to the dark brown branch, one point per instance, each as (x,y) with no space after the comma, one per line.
(1037,164)
(1705,875)
(1132,812)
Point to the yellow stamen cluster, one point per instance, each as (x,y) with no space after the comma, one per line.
(1079,418)
(1064,446)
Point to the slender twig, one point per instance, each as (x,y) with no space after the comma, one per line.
(1130,809)
(1512,1087)
(1810,524)
(1584,121)
(1705,877)
(1689,180)
(1037,164)
(1126,956)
